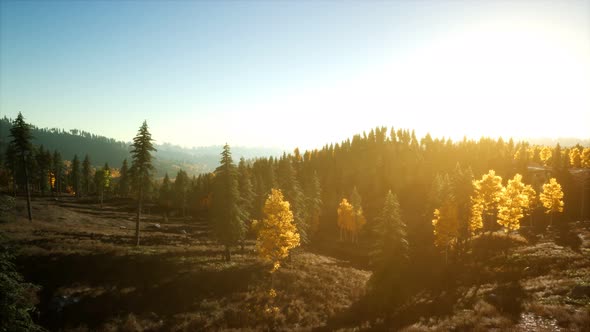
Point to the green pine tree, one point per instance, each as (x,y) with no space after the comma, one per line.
(246,188)
(76,175)
(180,188)
(123,187)
(390,254)
(43,168)
(313,202)
(228,218)
(22,147)
(141,168)
(58,172)
(86,175)
(165,195)
(289,185)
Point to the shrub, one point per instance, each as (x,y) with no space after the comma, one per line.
(17,298)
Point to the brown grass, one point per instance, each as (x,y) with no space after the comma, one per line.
(95,279)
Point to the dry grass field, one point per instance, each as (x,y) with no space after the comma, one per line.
(93,278)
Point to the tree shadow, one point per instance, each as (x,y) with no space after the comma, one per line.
(508,298)
(117,284)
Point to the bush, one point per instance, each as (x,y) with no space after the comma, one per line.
(17,298)
(486,246)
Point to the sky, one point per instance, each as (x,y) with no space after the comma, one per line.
(297,73)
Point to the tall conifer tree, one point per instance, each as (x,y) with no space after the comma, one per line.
(76,175)
(21,145)
(141,168)
(228,218)
(86,175)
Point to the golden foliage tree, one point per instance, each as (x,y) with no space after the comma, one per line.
(575,157)
(484,202)
(345,217)
(545,154)
(277,233)
(586,158)
(446,225)
(513,201)
(350,221)
(476,220)
(552,197)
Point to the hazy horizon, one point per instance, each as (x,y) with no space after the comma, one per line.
(297,74)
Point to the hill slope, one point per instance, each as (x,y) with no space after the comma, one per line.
(169,158)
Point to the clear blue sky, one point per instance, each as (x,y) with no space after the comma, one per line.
(305,73)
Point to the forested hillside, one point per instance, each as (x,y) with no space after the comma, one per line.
(169,158)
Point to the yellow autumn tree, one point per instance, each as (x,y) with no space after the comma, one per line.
(446,225)
(345,218)
(575,157)
(277,233)
(476,219)
(512,203)
(545,154)
(586,158)
(484,201)
(552,197)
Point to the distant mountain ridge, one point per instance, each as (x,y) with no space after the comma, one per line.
(168,159)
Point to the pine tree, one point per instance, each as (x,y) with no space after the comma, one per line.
(246,189)
(532,199)
(165,195)
(22,147)
(43,168)
(390,254)
(141,168)
(11,161)
(358,217)
(180,188)
(102,180)
(277,234)
(552,197)
(313,202)
(123,187)
(228,219)
(75,175)
(289,185)
(461,182)
(86,175)
(58,172)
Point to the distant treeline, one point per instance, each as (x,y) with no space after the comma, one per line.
(73,142)
(168,158)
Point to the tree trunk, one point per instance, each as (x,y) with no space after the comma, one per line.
(101,198)
(29,210)
(139,199)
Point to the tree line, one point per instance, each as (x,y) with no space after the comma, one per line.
(336,192)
